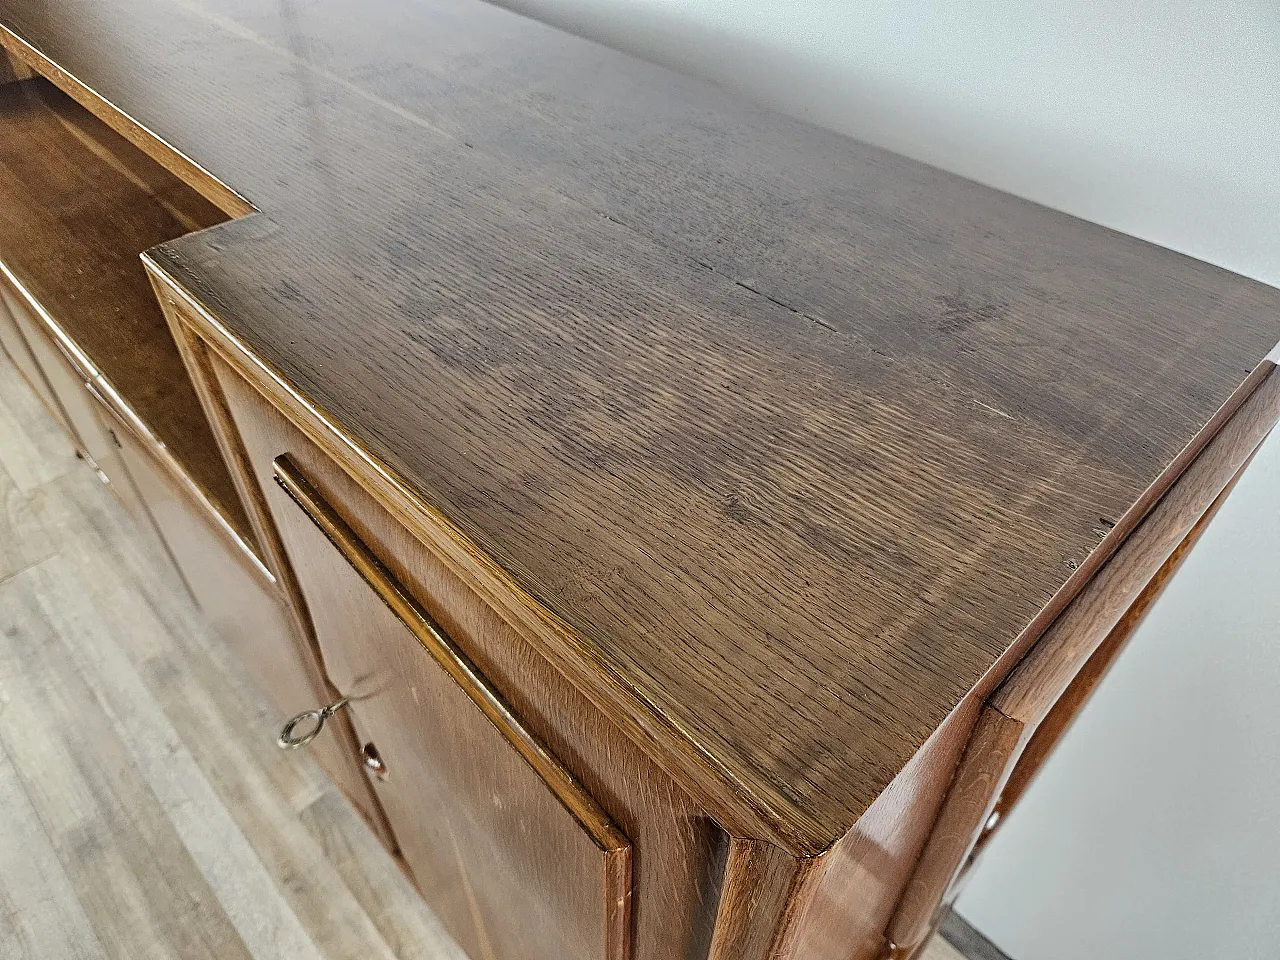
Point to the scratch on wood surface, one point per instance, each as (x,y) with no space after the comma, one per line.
(482,932)
(990,409)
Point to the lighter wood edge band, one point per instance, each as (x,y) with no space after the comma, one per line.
(575,798)
(137,133)
(1039,679)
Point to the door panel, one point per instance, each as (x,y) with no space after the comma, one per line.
(679,850)
(15,345)
(67,382)
(512,853)
(116,475)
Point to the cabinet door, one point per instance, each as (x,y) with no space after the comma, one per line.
(246,612)
(14,343)
(513,854)
(116,476)
(67,382)
(236,600)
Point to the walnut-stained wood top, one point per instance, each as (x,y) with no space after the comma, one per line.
(793,439)
(77,206)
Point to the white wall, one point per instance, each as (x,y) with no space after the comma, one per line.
(1160,118)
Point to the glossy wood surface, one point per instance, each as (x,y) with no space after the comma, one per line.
(455,662)
(285,858)
(678,852)
(1049,732)
(246,613)
(972,796)
(781,441)
(295,651)
(67,394)
(77,205)
(1031,691)
(757,901)
(114,472)
(858,884)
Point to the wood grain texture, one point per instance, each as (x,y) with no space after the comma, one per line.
(24,543)
(29,63)
(678,851)
(115,599)
(501,860)
(1041,677)
(1114,600)
(781,440)
(383,888)
(339,754)
(78,204)
(37,446)
(113,472)
(756,901)
(248,614)
(859,882)
(266,540)
(1050,730)
(13,69)
(218,848)
(987,761)
(453,661)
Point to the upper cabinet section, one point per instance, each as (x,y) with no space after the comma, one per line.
(777,444)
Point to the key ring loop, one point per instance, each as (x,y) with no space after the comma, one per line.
(287,739)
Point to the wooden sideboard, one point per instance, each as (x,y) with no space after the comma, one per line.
(683,531)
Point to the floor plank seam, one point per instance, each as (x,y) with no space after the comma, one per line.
(24,569)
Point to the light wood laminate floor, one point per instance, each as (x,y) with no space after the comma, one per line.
(145,811)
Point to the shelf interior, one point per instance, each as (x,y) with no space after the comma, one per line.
(78,204)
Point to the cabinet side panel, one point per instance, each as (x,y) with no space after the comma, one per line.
(757,901)
(847,908)
(67,384)
(250,617)
(14,343)
(988,759)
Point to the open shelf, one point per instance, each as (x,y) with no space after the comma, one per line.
(78,204)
